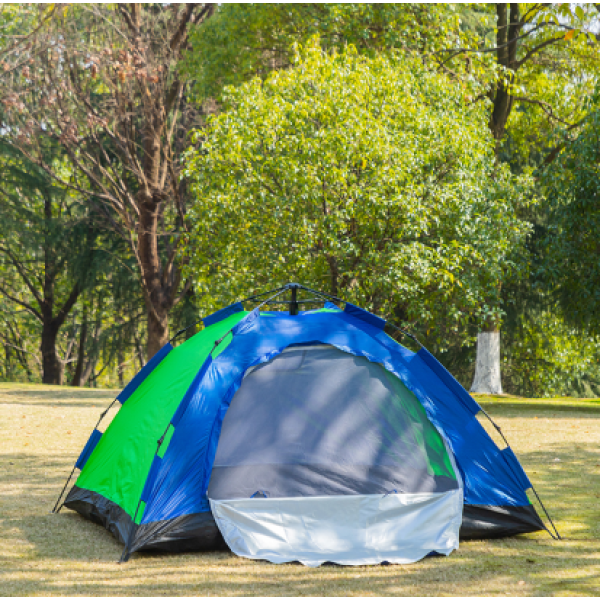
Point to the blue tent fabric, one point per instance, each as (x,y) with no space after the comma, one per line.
(447,379)
(143,373)
(490,476)
(222,314)
(189,394)
(364,315)
(88,449)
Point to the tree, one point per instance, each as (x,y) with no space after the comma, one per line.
(103,82)
(46,253)
(535,48)
(370,178)
(571,245)
(521,55)
(18,337)
(242,41)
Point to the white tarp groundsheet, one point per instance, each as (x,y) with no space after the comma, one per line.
(347,530)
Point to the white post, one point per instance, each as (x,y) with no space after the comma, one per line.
(487,366)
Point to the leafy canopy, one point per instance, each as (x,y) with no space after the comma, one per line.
(242,41)
(571,248)
(373,178)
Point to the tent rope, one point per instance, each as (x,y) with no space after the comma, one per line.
(55,510)
(336,299)
(499,430)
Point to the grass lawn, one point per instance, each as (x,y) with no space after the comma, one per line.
(44,428)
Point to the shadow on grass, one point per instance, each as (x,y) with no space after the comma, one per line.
(223,574)
(34,469)
(525,409)
(567,478)
(570,489)
(60,397)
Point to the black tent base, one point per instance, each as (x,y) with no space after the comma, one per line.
(485,522)
(189,533)
(199,532)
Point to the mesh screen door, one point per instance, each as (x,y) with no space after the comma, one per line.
(315,421)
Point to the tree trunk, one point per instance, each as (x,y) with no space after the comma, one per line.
(158,301)
(139,353)
(77,378)
(51,364)
(7,363)
(88,371)
(508,30)
(121,364)
(158,331)
(487,367)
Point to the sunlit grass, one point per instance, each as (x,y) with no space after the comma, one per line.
(43,429)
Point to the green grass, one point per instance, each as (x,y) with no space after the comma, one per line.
(43,430)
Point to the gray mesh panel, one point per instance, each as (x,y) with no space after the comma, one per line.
(318,421)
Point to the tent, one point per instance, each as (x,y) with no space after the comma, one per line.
(308,436)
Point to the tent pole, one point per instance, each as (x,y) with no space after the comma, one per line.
(499,430)
(184,330)
(54,510)
(547,515)
(323,294)
(279,292)
(200,320)
(329,296)
(294,302)
(263,294)
(125,555)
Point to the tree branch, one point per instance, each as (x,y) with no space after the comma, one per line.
(7,343)
(458,51)
(535,50)
(125,14)
(545,106)
(179,34)
(25,305)
(23,275)
(59,319)
(556,151)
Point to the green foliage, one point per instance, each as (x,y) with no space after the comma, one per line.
(371,178)
(571,246)
(548,104)
(549,77)
(242,41)
(51,242)
(364,173)
(543,356)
